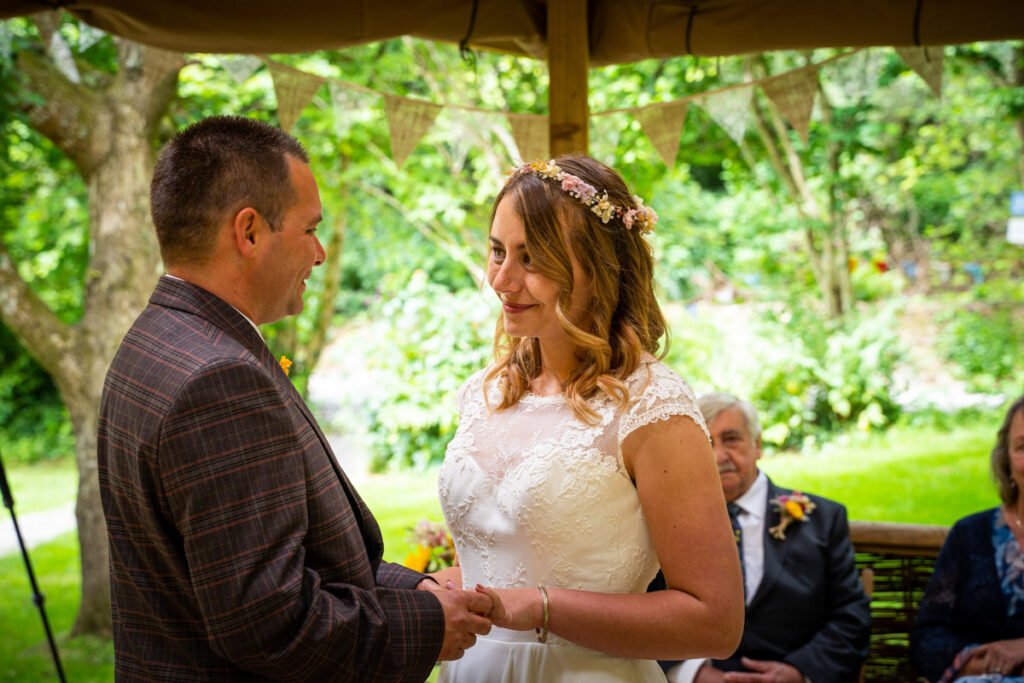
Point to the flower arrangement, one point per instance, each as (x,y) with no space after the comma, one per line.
(435,549)
(286,365)
(792,507)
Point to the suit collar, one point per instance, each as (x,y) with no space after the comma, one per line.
(173,292)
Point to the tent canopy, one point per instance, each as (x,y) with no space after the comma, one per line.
(571,35)
(617,31)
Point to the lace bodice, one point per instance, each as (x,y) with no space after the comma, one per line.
(534,496)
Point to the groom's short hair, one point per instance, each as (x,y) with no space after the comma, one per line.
(213,168)
(713,404)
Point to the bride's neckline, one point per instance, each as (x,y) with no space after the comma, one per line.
(542,398)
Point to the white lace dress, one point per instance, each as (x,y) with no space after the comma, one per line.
(533,497)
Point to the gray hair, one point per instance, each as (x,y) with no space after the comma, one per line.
(716,402)
(1008,491)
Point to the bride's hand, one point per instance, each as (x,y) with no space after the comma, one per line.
(518,609)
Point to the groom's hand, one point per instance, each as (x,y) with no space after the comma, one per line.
(462,620)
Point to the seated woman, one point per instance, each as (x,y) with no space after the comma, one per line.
(970,626)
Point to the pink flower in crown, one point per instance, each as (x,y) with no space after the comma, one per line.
(571,184)
(582,190)
(628,217)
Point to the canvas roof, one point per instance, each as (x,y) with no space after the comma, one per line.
(618,30)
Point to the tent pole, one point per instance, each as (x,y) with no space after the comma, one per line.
(568,60)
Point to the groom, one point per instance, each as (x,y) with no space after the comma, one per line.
(239,550)
(807,618)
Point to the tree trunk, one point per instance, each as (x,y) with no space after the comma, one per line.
(108,132)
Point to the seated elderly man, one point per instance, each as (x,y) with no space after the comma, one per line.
(807,617)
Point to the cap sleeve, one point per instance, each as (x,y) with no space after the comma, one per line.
(658,393)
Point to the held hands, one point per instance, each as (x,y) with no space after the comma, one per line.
(1001,656)
(518,609)
(465,617)
(759,671)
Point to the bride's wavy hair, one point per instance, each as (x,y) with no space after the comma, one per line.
(623,319)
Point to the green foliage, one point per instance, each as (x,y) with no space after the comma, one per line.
(34,424)
(985,347)
(829,376)
(428,341)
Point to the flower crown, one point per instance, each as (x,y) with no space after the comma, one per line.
(643,218)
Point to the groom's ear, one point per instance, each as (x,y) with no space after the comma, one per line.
(244,228)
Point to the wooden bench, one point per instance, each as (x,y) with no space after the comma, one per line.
(895,561)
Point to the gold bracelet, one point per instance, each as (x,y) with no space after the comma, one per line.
(542,633)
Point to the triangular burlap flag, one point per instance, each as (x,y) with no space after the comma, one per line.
(408,121)
(295,90)
(88,36)
(927,62)
(605,130)
(531,134)
(160,64)
(730,109)
(241,67)
(793,93)
(350,106)
(62,58)
(6,40)
(663,125)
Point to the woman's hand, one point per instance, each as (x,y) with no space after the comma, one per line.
(1001,656)
(518,609)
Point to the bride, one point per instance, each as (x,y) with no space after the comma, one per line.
(581,463)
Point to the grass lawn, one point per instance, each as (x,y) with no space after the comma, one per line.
(42,486)
(909,474)
(24,653)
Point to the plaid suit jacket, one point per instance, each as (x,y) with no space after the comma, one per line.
(239,551)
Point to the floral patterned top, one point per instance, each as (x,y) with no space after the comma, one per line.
(1009,564)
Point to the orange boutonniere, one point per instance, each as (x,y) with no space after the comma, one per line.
(286,365)
(792,507)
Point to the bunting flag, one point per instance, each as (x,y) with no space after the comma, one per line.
(793,94)
(853,79)
(62,58)
(927,62)
(605,130)
(5,40)
(730,109)
(295,90)
(88,36)
(663,125)
(241,67)
(462,129)
(349,106)
(531,135)
(408,121)
(157,63)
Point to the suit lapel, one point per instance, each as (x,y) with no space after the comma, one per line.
(774,549)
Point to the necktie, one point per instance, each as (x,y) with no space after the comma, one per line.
(737,531)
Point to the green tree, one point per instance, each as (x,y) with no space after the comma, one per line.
(105,122)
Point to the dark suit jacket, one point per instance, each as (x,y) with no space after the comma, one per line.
(810,609)
(964,602)
(239,551)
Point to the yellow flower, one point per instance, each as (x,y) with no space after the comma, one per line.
(417,560)
(794,509)
(286,365)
